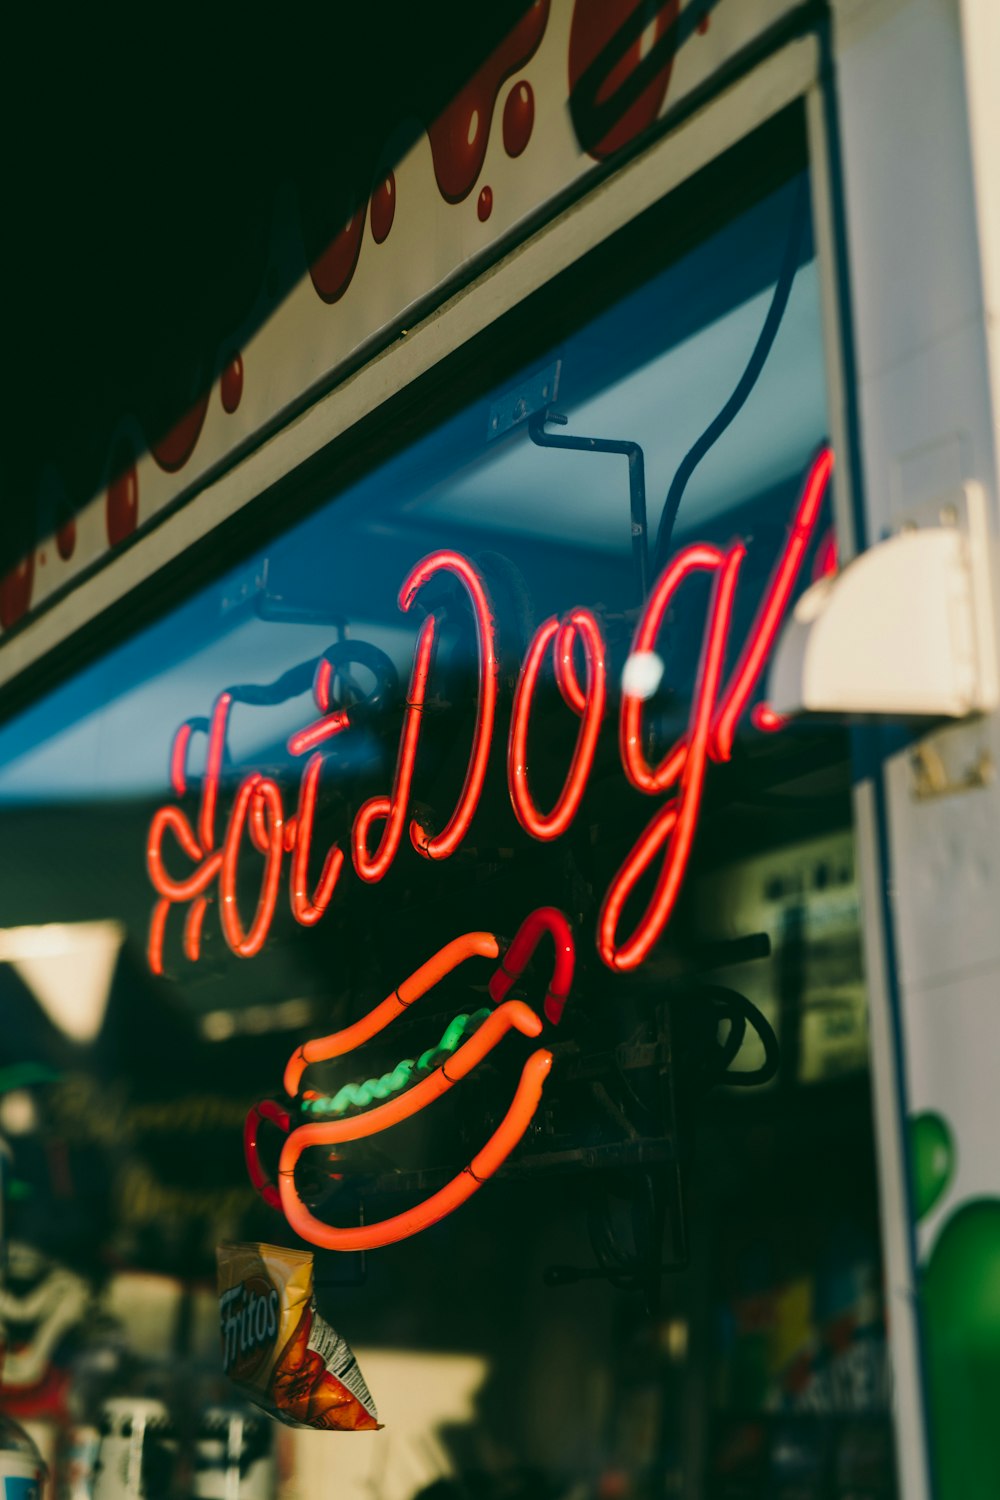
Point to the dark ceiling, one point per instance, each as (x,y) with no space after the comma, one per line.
(142,161)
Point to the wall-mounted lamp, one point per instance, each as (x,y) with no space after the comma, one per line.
(907,628)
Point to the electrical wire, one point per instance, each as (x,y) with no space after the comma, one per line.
(744,386)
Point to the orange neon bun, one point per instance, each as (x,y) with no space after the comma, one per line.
(456,1192)
(470,945)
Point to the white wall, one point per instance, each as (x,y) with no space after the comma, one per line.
(927,417)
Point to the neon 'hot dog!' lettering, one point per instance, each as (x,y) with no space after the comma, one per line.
(258,820)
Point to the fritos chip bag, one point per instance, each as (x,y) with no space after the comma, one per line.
(277,1348)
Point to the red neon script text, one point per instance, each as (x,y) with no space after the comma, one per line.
(257,817)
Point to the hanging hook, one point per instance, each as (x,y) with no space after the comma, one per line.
(636,481)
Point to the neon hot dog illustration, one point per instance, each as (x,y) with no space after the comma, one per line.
(383,822)
(405,1097)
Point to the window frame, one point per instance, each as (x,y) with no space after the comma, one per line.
(343,432)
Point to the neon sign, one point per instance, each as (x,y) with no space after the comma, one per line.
(258,814)
(404,1102)
(588,704)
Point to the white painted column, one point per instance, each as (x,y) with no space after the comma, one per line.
(922,206)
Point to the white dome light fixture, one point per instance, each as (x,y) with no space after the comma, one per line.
(906,630)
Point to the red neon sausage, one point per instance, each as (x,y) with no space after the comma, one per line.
(267,1109)
(547,919)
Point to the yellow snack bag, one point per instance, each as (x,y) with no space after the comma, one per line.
(277,1348)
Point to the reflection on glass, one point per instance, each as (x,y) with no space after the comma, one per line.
(672,1282)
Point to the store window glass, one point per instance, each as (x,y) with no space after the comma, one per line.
(509,683)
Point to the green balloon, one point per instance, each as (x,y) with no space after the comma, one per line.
(961,1298)
(932,1151)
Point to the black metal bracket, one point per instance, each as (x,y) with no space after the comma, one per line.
(532,402)
(636,480)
